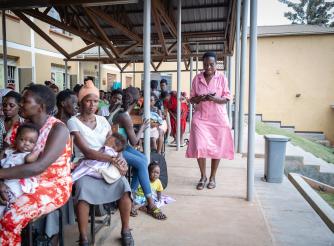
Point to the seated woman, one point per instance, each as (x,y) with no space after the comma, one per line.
(134,158)
(90,131)
(67,106)
(52,167)
(11,120)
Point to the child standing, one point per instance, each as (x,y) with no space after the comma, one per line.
(25,141)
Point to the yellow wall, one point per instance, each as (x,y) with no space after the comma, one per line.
(70,44)
(290,65)
(17,31)
(43,65)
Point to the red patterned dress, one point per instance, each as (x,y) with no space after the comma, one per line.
(53,191)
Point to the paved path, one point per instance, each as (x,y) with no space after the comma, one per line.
(208,217)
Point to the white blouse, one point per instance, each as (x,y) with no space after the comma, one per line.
(95,138)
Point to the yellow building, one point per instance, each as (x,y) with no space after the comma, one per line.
(295,77)
(32,59)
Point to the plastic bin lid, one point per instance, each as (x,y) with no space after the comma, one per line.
(276,138)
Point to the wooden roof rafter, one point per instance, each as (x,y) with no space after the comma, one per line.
(112,22)
(158,28)
(100,31)
(79,51)
(51,21)
(40,32)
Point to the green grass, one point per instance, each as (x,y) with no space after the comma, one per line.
(328,197)
(316,149)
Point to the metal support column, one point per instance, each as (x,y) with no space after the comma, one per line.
(190,83)
(243,70)
(66,75)
(229,79)
(179,50)
(121,75)
(196,58)
(237,76)
(78,74)
(33,53)
(147,75)
(4,46)
(251,99)
(134,74)
(99,68)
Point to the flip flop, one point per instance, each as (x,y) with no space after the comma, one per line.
(201,184)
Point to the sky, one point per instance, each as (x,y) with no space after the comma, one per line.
(271,12)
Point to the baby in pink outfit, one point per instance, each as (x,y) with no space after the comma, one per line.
(114,144)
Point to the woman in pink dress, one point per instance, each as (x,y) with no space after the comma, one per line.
(210,135)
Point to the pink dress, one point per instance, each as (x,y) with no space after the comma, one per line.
(210,135)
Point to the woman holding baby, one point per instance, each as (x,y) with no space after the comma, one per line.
(90,132)
(210,135)
(52,168)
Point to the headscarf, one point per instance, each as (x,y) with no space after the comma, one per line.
(88,88)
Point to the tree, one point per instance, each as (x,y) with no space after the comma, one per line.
(311,12)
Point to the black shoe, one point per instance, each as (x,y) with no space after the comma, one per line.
(127,239)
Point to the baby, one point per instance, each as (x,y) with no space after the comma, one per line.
(156,187)
(25,141)
(115,143)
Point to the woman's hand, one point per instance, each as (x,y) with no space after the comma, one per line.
(215,99)
(198,99)
(145,125)
(3,193)
(121,165)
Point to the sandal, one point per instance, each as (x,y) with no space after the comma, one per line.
(133,212)
(201,184)
(127,239)
(156,213)
(211,184)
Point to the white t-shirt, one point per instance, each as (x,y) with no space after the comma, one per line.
(95,138)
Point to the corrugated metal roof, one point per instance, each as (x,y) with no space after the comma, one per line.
(210,23)
(285,30)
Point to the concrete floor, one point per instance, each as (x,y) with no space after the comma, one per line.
(279,215)
(210,217)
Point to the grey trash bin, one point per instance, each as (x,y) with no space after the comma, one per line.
(275,146)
